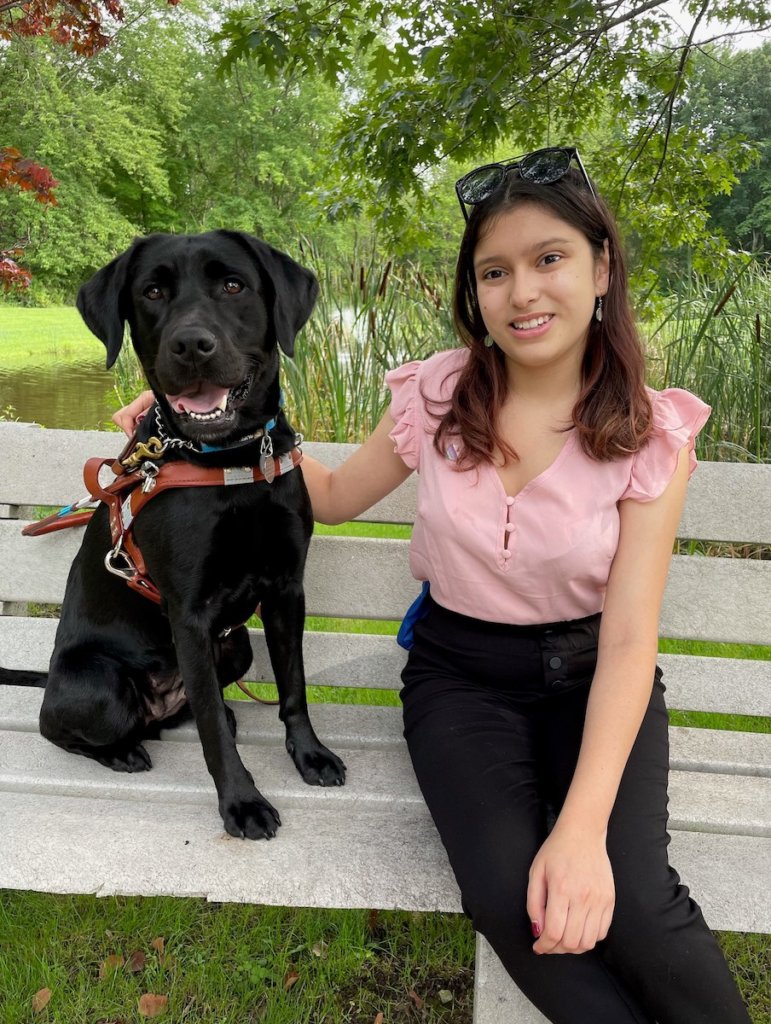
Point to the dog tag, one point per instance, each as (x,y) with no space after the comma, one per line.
(267,468)
(267,465)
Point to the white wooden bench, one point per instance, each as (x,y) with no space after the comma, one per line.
(70,825)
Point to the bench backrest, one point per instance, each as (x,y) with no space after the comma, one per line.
(721,599)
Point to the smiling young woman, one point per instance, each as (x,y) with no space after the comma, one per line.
(551,483)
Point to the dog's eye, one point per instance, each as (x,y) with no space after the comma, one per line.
(233,286)
(152,292)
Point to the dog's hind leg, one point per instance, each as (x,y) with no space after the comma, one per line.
(91,707)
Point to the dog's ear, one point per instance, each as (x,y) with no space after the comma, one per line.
(102,304)
(295,288)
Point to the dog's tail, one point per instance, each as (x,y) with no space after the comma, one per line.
(16,677)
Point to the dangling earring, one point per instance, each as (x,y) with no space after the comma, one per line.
(488,341)
(598,310)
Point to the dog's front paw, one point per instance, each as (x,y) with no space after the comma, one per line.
(126,759)
(317,764)
(250,817)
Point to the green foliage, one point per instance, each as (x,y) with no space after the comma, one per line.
(729,99)
(453,81)
(715,339)
(372,315)
(145,137)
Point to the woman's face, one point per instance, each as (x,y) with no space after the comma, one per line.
(537,281)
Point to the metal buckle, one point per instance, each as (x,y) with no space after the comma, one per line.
(154,449)
(127,573)
(149,471)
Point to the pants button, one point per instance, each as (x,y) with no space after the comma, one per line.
(555,663)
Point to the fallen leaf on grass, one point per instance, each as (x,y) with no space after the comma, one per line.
(136,962)
(320,949)
(379,1018)
(152,1006)
(419,1003)
(291,978)
(40,999)
(112,963)
(159,945)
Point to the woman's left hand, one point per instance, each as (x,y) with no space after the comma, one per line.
(571,894)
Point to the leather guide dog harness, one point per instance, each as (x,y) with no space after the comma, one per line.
(138,479)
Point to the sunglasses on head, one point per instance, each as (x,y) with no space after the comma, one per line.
(543,167)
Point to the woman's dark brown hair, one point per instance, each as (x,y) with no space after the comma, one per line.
(613,413)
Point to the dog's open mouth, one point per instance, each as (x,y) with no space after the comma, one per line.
(207,403)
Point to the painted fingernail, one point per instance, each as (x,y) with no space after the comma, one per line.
(536,929)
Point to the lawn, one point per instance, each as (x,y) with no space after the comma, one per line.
(47,335)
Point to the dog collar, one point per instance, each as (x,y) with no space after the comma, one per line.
(177,442)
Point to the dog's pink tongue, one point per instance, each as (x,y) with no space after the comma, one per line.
(204,398)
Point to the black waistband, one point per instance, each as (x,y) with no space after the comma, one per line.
(535,630)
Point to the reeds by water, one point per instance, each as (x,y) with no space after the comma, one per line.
(715,340)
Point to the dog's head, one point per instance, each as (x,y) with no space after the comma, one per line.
(206,314)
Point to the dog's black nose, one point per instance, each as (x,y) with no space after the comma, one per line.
(195,343)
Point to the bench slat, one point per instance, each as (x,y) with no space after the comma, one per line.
(378,777)
(726,501)
(367,727)
(363,577)
(726,685)
(329,859)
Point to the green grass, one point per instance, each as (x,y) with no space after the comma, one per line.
(43,336)
(229,964)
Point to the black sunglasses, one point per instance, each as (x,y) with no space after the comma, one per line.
(543,167)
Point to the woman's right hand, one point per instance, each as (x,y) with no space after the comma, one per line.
(130,415)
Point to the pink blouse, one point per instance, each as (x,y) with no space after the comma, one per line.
(545,554)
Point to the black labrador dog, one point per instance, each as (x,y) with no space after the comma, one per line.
(207,314)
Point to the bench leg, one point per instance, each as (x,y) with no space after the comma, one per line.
(497,1000)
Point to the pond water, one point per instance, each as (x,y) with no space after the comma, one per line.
(75,396)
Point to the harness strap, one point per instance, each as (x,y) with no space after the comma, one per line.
(130,491)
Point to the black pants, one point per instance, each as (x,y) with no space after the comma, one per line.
(493,719)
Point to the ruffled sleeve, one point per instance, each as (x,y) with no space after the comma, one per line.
(405,412)
(678,416)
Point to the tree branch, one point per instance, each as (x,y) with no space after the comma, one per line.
(670,108)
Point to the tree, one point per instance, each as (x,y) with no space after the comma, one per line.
(730,97)
(456,80)
(27,176)
(83,26)
(145,137)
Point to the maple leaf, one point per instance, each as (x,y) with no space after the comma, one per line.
(12,276)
